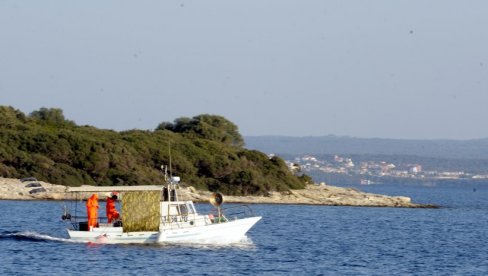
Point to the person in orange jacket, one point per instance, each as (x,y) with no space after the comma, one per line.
(92,211)
(112,213)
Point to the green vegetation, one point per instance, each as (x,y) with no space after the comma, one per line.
(207,152)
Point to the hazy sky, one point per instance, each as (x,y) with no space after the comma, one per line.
(390,69)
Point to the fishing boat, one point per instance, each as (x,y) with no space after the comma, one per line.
(155,214)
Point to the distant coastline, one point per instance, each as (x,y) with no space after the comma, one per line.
(350,160)
(360,170)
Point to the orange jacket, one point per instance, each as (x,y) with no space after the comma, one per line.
(112,213)
(92,210)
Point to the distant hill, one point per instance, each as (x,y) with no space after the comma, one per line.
(459,149)
(206,151)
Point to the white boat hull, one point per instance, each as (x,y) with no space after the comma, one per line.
(216,233)
(113,235)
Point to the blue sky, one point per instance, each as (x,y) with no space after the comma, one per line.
(389,69)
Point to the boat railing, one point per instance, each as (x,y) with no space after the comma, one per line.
(183,221)
(234,212)
(214,216)
(81,222)
(77,222)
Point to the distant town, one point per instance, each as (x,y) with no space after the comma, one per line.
(370,171)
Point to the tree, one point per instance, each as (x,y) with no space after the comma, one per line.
(10,117)
(211,127)
(50,115)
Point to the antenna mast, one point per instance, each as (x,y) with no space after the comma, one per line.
(170,166)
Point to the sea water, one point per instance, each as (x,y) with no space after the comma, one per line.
(290,239)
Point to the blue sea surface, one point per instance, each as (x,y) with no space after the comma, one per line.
(290,239)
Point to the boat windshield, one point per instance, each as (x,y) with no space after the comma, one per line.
(191,208)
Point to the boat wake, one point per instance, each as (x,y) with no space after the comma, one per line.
(32,236)
(245,243)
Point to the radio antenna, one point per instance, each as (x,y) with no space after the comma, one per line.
(170,166)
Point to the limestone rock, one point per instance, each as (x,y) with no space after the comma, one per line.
(312,194)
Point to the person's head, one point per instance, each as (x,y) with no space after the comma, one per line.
(113,195)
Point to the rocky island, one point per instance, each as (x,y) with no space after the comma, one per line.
(16,189)
(206,150)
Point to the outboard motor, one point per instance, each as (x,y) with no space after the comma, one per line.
(66,215)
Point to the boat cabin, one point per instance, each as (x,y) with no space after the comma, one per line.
(142,208)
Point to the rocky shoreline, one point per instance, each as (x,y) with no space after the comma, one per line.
(30,189)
